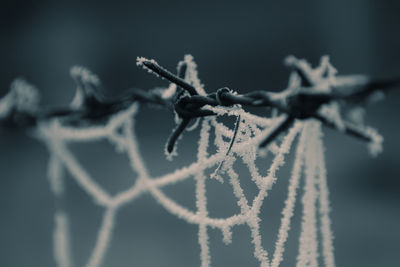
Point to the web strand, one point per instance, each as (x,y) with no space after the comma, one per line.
(119,130)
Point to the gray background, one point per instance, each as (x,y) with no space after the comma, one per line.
(236,44)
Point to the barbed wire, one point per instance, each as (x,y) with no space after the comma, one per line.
(304,102)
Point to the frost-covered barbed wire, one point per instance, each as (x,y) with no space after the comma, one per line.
(313,98)
(321,100)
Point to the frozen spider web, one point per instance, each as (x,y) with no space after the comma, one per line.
(251,130)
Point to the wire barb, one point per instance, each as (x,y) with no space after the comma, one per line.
(153,66)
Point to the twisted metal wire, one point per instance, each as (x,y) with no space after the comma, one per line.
(299,104)
(188,104)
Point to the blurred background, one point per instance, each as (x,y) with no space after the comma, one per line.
(236,44)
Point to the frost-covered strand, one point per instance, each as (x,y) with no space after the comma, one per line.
(79,174)
(127,196)
(201,198)
(60,155)
(248,157)
(260,253)
(105,231)
(61,242)
(192,75)
(229,160)
(103,238)
(61,246)
(87,134)
(253,220)
(277,162)
(204,246)
(136,160)
(221,130)
(55,176)
(267,184)
(324,208)
(308,247)
(235,183)
(91,133)
(62,250)
(288,210)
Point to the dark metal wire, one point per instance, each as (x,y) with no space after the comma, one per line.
(303,104)
(188,104)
